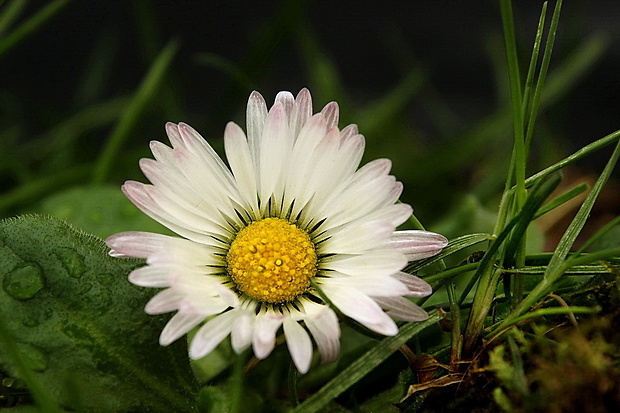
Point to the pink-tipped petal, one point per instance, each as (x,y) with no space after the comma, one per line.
(418,244)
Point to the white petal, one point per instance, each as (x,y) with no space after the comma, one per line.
(255,119)
(211,334)
(163,302)
(242,330)
(300,184)
(150,276)
(134,244)
(378,262)
(302,111)
(240,160)
(274,150)
(400,308)
(349,131)
(361,200)
(172,130)
(136,194)
(195,283)
(331,113)
(228,296)
(418,244)
(174,183)
(326,332)
(361,308)
(264,338)
(202,306)
(372,285)
(333,163)
(299,345)
(394,214)
(177,326)
(365,177)
(417,286)
(357,239)
(287,101)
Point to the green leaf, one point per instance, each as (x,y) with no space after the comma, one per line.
(101,210)
(80,326)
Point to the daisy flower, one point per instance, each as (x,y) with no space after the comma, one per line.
(286,234)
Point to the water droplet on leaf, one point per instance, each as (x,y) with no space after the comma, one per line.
(23,282)
(72,262)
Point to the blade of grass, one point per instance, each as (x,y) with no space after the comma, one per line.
(438,277)
(545,312)
(608,227)
(592,269)
(456,338)
(568,239)
(565,197)
(543,259)
(516,100)
(31,25)
(487,274)
(529,81)
(10,14)
(542,74)
(558,263)
(364,365)
(586,150)
(137,106)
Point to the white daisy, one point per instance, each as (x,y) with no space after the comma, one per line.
(290,232)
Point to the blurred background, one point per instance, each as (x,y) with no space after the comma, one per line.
(424,80)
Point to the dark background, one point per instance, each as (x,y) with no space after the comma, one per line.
(372,44)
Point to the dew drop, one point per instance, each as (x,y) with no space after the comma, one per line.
(8,382)
(23,282)
(72,262)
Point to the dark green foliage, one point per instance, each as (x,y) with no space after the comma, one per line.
(79,326)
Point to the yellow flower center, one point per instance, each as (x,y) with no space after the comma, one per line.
(272,261)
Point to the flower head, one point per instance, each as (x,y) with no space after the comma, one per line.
(290,230)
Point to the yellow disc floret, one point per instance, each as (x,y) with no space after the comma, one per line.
(272,261)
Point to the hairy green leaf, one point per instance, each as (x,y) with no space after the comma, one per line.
(79,325)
